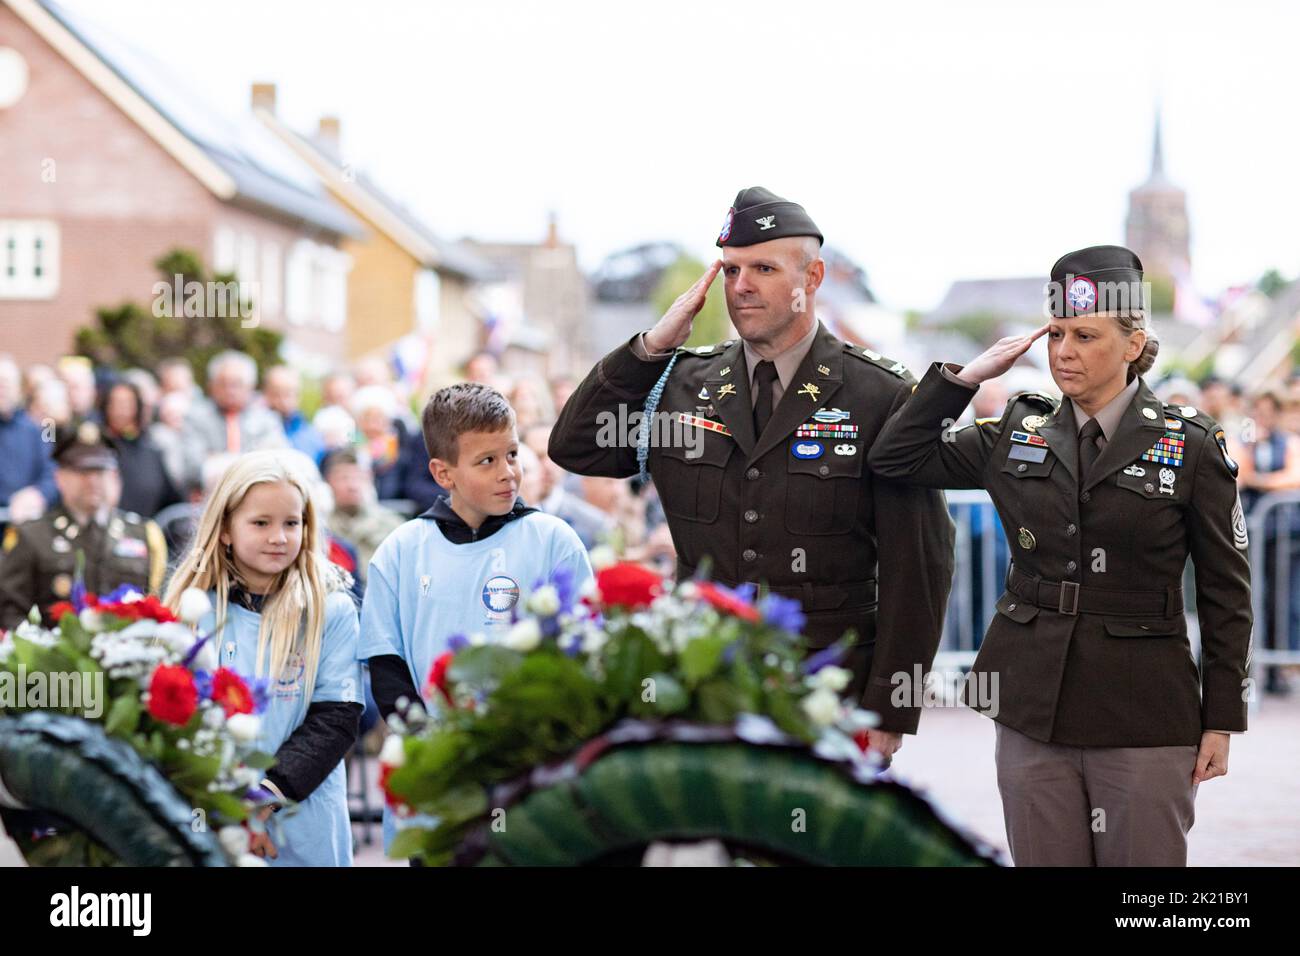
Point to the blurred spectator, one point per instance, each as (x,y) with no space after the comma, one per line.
(230,420)
(282,390)
(27,478)
(1217,402)
(398,459)
(146,486)
(1269,457)
(527,405)
(562,386)
(336,427)
(180,522)
(590,523)
(337,389)
(149,391)
(182,448)
(176,375)
(33,378)
(358,518)
(482,367)
(50,407)
(991,399)
(1178,391)
(78,375)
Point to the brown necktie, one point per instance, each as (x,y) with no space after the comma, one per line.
(1088,450)
(764,379)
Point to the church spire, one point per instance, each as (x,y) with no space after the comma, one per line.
(1157,152)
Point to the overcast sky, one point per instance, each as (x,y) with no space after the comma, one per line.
(930,141)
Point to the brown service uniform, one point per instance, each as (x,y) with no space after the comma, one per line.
(820,529)
(1089,642)
(39,560)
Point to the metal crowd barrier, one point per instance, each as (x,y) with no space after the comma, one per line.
(1273,527)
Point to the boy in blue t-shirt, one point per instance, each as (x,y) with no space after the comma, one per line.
(460,566)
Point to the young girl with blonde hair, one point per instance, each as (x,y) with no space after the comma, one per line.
(282,612)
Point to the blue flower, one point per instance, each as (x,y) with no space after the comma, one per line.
(261,691)
(457,642)
(564,582)
(785,613)
(203,681)
(122,592)
(831,655)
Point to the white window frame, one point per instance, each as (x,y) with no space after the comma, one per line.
(26,246)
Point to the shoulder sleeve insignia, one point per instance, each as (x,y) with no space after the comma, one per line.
(11,539)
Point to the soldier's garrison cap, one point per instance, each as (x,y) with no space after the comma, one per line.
(84,448)
(759,214)
(1096,279)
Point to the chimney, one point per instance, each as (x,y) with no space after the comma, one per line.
(263,97)
(327,135)
(552,231)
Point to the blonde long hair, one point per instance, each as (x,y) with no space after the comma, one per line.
(293,614)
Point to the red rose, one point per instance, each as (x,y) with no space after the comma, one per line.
(862,739)
(727,603)
(390,798)
(230,691)
(56,611)
(173,698)
(149,608)
(627,585)
(438,675)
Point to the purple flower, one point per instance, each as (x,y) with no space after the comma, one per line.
(785,613)
(825,658)
(259,795)
(457,642)
(78,595)
(203,681)
(571,644)
(261,691)
(194,651)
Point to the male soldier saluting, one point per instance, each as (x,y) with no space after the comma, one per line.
(39,559)
(772,486)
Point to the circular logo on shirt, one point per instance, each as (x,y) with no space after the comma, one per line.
(500,593)
(289,683)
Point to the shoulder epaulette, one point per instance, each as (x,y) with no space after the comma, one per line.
(1041,399)
(705,349)
(1188,413)
(875,358)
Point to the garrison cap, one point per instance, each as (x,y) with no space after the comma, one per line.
(84,448)
(1096,279)
(759,214)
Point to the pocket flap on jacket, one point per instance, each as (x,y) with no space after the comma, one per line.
(1126,627)
(1018,610)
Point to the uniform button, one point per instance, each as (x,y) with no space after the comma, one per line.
(753,474)
(1071,566)
(749,554)
(1022,467)
(823,470)
(1071,529)
(751,515)
(1149,487)
(1086,496)
(1011,607)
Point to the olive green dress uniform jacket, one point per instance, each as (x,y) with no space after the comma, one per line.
(1118,671)
(823,530)
(38,560)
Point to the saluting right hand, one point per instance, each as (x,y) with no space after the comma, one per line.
(675,327)
(999,357)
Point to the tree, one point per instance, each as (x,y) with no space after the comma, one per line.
(1272,282)
(711,325)
(196,328)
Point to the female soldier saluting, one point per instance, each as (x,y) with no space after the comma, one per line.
(1104,726)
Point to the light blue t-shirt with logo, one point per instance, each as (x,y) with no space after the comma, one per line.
(318,832)
(422,589)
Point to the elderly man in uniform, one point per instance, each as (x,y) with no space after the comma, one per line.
(40,558)
(766,480)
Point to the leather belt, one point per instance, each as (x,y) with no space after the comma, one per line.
(1069,597)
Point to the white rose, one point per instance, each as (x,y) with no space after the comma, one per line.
(244,727)
(477,639)
(602,556)
(832,678)
(176,637)
(214,717)
(206,658)
(393,753)
(545,601)
(247,859)
(234,840)
(524,636)
(194,605)
(822,707)
(593,639)
(91,619)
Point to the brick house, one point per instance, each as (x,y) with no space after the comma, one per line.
(107,163)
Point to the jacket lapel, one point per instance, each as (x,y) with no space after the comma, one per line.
(800,400)
(1140,427)
(729,395)
(1062,437)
